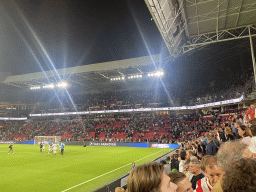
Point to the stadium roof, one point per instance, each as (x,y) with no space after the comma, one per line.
(189,24)
(93,78)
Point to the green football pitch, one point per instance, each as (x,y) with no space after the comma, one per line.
(79,169)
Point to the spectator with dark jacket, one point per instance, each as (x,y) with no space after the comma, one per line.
(175,162)
(211,148)
(221,135)
(230,136)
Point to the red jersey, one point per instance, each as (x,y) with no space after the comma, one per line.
(203,185)
(250,115)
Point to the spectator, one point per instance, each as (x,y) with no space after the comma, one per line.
(184,185)
(252,130)
(230,136)
(189,154)
(252,147)
(175,162)
(182,167)
(212,174)
(167,167)
(150,177)
(188,174)
(194,167)
(211,148)
(235,130)
(221,135)
(229,153)
(244,132)
(241,178)
(250,115)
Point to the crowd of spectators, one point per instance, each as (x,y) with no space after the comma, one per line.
(137,99)
(224,159)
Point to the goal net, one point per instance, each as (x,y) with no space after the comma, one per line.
(46,139)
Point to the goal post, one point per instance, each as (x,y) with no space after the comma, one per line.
(46,139)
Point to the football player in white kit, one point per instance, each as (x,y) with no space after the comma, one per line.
(54,148)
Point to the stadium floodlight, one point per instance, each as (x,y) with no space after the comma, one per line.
(140,75)
(33,88)
(132,77)
(63,84)
(158,74)
(122,78)
(51,86)
(162,73)
(119,78)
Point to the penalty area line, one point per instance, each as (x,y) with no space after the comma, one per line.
(109,172)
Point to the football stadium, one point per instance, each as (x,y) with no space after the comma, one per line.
(128,96)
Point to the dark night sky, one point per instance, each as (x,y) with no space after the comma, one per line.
(80,32)
(73,32)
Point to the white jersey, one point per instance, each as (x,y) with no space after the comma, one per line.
(54,146)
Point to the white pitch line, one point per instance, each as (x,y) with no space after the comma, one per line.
(108,172)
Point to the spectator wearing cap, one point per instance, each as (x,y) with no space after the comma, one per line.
(211,148)
(241,178)
(150,177)
(194,168)
(180,179)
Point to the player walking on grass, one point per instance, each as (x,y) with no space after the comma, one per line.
(59,146)
(41,146)
(10,147)
(62,148)
(50,147)
(54,148)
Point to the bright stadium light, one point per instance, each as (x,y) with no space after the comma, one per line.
(122,78)
(140,75)
(51,86)
(158,74)
(34,88)
(63,84)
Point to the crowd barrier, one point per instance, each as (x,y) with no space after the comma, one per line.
(143,145)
